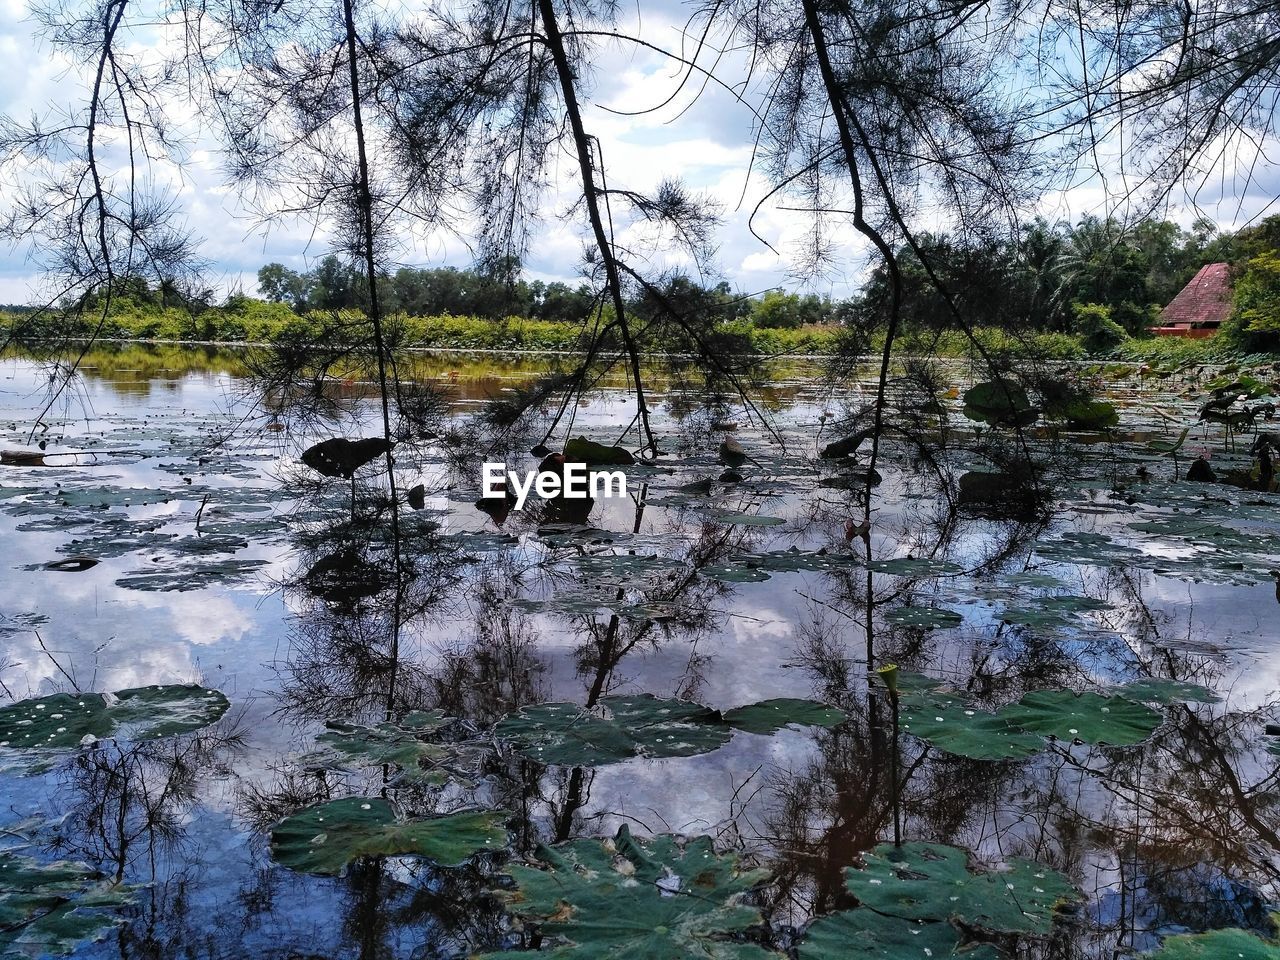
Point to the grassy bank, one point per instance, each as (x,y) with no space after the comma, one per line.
(255,321)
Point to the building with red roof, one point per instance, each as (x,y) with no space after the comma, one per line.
(1202,306)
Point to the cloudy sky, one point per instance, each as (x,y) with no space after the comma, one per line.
(705,142)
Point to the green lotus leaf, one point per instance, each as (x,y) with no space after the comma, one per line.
(582,450)
(770,716)
(914,567)
(1157,690)
(396,744)
(730,518)
(924,618)
(180,577)
(1217,945)
(1000,402)
(50,909)
(622,728)
(954,725)
(1051,611)
(864,933)
(628,899)
(141,713)
(734,573)
(1089,717)
(325,838)
(1088,414)
(932,881)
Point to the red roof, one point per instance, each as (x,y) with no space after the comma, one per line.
(1205,300)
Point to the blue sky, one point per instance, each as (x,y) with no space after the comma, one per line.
(706,144)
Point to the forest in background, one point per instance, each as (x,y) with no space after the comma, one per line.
(1094,288)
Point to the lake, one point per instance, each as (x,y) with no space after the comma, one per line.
(547,680)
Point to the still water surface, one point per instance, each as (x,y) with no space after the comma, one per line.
(222,561)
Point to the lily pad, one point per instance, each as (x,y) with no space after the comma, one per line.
(1157,690)
(864,933)
(582,450)
(914,567)
(932,881)
(956,726)
(1089,717)
(396,744)
(1217,945)
(622,728)
(325,838)
(628,899)
(770,716)
(141,713)
(924,618)
(53,908)
(999,402)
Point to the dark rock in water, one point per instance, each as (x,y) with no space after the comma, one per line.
(541,450)
(1201,472)
(417,497)
(340,457)
(731,476)
(724,425)
(846,446)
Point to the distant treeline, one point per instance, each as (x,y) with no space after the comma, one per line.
(1094,281)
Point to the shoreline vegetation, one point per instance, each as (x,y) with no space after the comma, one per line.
(260,323)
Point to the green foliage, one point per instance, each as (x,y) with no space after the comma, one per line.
(50,909)
(1092,323)
(999,402)
(1217,945)
(864,933)
(142,713)
(958,727)
(325,838)
(623,727)
(628,899)
(1090,717)
(396,744)
(770,716)
(1255,324)
(932,882)
(582,450)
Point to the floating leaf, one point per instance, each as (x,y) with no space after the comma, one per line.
(770,716)
(628,899)
(956,726)
(1051,611)
(52,908)
(745,519)
(932,881)
(1157,690)
(999,402)
(914,567)
(582,450)
(734,573)
(864,933)
(397,744)
(1089,414)
(1089,717)
(1228,944)
(141,713)
(325,838)
(924,618)
(623,727)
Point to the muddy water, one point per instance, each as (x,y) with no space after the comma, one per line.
(224,562)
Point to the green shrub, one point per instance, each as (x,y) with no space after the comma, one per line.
(1098,333)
